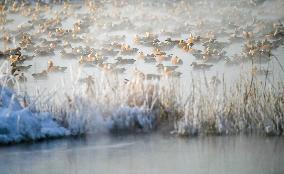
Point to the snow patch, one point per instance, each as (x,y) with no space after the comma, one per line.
(20,124)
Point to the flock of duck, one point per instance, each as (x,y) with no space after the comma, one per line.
(46,36)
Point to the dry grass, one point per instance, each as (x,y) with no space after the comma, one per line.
(248,106)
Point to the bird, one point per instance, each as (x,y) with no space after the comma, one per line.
(41,75)
(121,61)
(52,68)
(176,60)
(200,66)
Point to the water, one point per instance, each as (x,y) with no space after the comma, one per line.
(162,17)
(147,154)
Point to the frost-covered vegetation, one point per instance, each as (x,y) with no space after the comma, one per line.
(249,106)
(246,107)
(19,123)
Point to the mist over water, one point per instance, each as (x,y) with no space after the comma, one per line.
(167,19)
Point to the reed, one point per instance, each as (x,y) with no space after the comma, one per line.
(247,106)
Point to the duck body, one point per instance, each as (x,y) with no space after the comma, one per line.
(52,68)
(161,67)
(121,61)
(42,51)
(16,67)
(41,75)
(201,66)
(153,77)
(56,69)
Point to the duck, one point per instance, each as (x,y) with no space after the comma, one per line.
(65,54)
(16,51)
(118,70)
(200,66)
(169,33)
(115,45)
(14,8)
(30,48)
(158,51)
(88,61)
(41,75)
(20,59)
(74,38)
(55,46)
(27,57)
(147,38)
(172,41)
(153,77)
(160,58)
(160,67)
(136,39)
(247,35)
(78,50)
(149,58)
(126,50)
(121,61)
(106,67)
(171,73)
(25,27)
(213,56)
(160,55)
(44,51)
(15,67)
(141,55)
(2,54)
(52,68)
(108,52)
(190,41)
(14,58)
(175,60)
(26,40)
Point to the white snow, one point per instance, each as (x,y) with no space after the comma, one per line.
(20,124)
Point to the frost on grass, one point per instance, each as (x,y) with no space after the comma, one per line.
(113,107)
(248,107)
(20,124)
(143,106)
(132,119)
